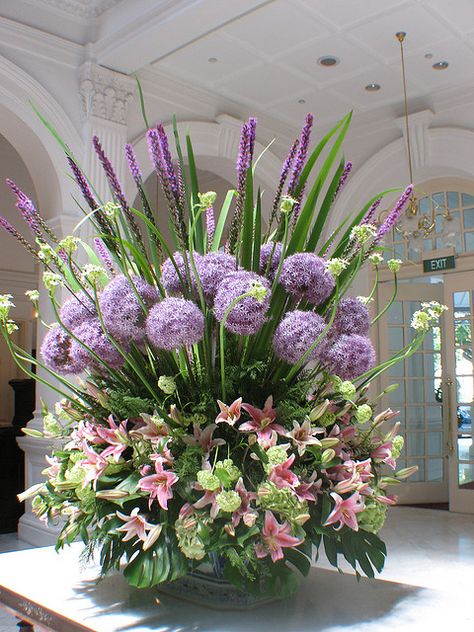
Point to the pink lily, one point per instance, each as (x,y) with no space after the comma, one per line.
(151,428)
(229,414)
(204,438)
(345,511)
(164,455)
(263,421)
(275,538)
(54,467)
(244,512)
(135,525)
(115,436)
(282,476)
(308,490)
(159,485)
(95,464)
(383,453)
(303,435)
(209,498)
(391,499)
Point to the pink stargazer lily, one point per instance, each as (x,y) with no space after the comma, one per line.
(159,485)
(303,435)
(244,512)
(204,438)
(263,420)
(345,511)
(94,464)
(209,498)
(275,537)
(229,414)
(282,476)
(135,525)
(115,436)
(383,453)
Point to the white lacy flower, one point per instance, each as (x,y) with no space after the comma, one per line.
(69,244)
(336,265)
(52,280)
(365,299)
(5,306)
(363,233)
(394,264)
(376,258)
(207,199)
(33,295)
(94,274)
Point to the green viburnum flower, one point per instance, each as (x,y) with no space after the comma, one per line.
(363,413)
(51,425)
(38,505)
(336,266)
(94,275)
(52,281)
(363,233)
(394,265)
(167,384)
(69,244)
(110,209)
(397,446)
(228,501)
(75,474)
(33,295)
(327,419)
(231,470)
(187,534)
(284,502)
(276,454)
(346,389)
(207,199)
(208,480)
(372,518)
(258,291)
(5,306)
(376,258)
(287,203)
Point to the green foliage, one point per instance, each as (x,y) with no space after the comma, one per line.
(125,406)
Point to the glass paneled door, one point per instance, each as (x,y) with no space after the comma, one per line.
(459,297)
(419,395)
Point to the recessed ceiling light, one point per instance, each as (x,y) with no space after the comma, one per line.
(212,60)
(429,56)
(440,65)
(301,101)
(328,60)
(373,87)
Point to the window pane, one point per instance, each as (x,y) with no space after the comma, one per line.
(395,313)
(414,365)
(420,475)
(464,389)
(465,452)
(434,443)
(397,370)
(462,332)
(433,416)
(468,218)
(397,397)
(463,362)
(453,199)
(466,475)
(395,338)
(415,416)
(462,307)
(438,199)
(424,205)
(467,200)
(415,444)
(434,469)
(464,415)
(415,391)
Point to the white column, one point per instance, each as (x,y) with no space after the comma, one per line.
(105,98)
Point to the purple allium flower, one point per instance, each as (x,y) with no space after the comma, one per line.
(352,317)
(77,310)
(305,275)
(56,352)
(174,323)
(212,268)
(265,253)
(169,276)
(91,334)
(248,315)
(348,356)
(295,334)
(123,315)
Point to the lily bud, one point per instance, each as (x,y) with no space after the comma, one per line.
(302,518)
(229,529)
(31,432)
(388,480)
(111,494)
(152,537)
(329,442)
(385,416)
(249,519)
(406,472)
(319,410)
(328,455)
(31,491)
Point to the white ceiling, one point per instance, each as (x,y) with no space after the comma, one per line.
(267,50)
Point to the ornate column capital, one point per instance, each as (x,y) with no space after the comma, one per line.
(105,94)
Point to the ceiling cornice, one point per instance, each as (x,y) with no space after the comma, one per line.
(83,8)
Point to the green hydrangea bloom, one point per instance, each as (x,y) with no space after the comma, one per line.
(231,470)
(188,538)
(228,501)
(167,384)
(372,518)
(346,389)
(363,413)
(208,480)
(283,502)
(397,446)
(276,455)
(75,474)
(51,425)
(327,419)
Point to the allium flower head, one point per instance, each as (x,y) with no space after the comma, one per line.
(174,323)
(295,334)
(349,356)
(212,268)
(265,253)
(122,312)
(76,310)
(249,314)
(394,265)
(91,334)
(352,317)
(169,276)
(56,352)
(304,275)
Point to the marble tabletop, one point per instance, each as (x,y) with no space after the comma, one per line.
(56,593)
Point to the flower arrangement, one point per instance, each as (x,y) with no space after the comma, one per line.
(222,405)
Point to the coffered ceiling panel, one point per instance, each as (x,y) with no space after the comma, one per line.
(344,13)
(458,14)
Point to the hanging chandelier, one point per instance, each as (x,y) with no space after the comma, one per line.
(415,226)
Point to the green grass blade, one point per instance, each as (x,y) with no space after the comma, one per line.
(324,210)
(142,102)
(257,233)
(246,246)
(199,233)
(222,219)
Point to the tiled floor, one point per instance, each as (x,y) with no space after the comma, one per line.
(426,547)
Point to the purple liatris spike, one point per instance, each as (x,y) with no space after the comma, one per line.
(83,185)
(168,161)
(104,254)
(369,216)
(301,155)
(394,214)
(26,208)
(5,224)
(210,225)
(252,130)
(133,165)
(343,178)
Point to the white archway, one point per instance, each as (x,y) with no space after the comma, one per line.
(41,153)
(216,146)
(438,153)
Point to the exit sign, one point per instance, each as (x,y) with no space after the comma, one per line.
(439,264)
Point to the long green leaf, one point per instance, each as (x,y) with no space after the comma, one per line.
(246,246)
(199,234)
(142,102)
(179,151)
(222,219)
(257,233)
